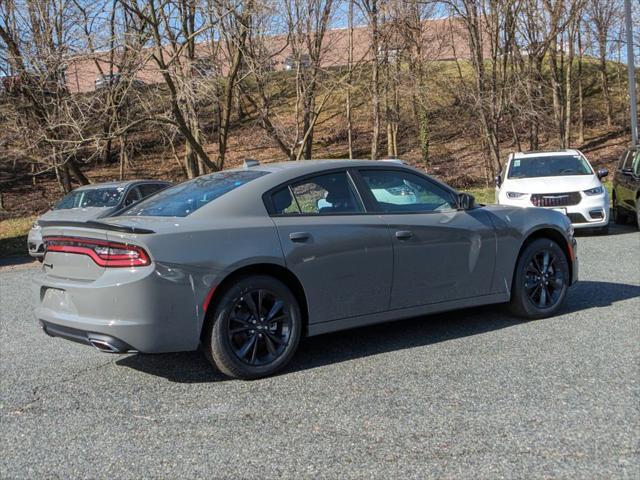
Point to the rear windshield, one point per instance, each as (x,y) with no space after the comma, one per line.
(549,166)
(94,197)
(186,198)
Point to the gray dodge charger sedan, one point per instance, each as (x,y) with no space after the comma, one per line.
(244,262)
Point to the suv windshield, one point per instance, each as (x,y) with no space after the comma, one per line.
(186,198)
(94,197)
(549,166)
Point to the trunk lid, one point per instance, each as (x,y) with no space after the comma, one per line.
(88,247)
(72,265)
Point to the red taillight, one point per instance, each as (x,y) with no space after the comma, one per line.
(104,253)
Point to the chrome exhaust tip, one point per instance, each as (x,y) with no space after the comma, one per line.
(103,346)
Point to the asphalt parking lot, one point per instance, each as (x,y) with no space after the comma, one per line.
(471,394)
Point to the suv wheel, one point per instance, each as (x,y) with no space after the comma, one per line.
(255,328)
(540,281)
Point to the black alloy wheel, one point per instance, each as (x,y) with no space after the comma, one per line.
(259,327)
(254,328)
(541,280)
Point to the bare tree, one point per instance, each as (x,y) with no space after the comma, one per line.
(175,26)
(55,126)
(235,22)
(303,47)
(372,12)
(603,15)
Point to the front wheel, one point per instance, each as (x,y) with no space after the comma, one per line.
(541,280)
(255,329)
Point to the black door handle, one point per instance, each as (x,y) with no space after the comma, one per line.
(299,236)
(404,234)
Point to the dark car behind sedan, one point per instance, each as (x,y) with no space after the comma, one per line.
(626,187)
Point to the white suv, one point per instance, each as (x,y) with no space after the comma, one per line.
(562,180)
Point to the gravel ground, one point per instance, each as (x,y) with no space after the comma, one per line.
(471,394)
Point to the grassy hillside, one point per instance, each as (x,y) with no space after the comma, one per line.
(456,152)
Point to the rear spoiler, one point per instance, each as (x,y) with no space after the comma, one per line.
(96,225)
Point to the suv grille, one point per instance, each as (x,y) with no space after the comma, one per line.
(555,199)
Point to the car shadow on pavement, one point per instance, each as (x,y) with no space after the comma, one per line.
(192,367)
(614,229)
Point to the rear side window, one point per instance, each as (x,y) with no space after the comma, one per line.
(91,197)
(186,198)
(398,191)
(132,197)
(327,194)
(147,189)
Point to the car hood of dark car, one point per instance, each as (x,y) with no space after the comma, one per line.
(76,214)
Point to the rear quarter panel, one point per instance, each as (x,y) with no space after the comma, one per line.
(196,255)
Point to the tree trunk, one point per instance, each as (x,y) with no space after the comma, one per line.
(225,114)
(580,92)
(604,78)
(349,82)
(375,81)
(124,154)
(308,123)
(569,88)
(76,172)
(556,86)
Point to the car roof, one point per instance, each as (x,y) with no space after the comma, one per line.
(321,164)
(120,184)
(301,167)
(547,153)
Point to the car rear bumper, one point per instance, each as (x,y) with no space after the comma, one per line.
(104,343)
(130,309)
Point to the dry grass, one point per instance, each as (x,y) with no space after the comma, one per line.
(13,236)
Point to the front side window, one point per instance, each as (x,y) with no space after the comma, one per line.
(327,194)
(93,197)
(549,166)
(186,198)
(398,191)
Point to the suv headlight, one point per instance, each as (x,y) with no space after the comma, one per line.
(515,195)
(594,191)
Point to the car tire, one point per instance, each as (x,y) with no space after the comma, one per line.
(527,298)
(254,329)
(638,212)
(619,215)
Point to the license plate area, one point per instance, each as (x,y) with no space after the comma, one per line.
(57,299)
(561,210)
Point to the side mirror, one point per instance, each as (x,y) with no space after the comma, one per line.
(498,180)
(602,172)
(466,201)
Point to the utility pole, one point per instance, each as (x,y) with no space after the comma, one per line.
(631,69)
